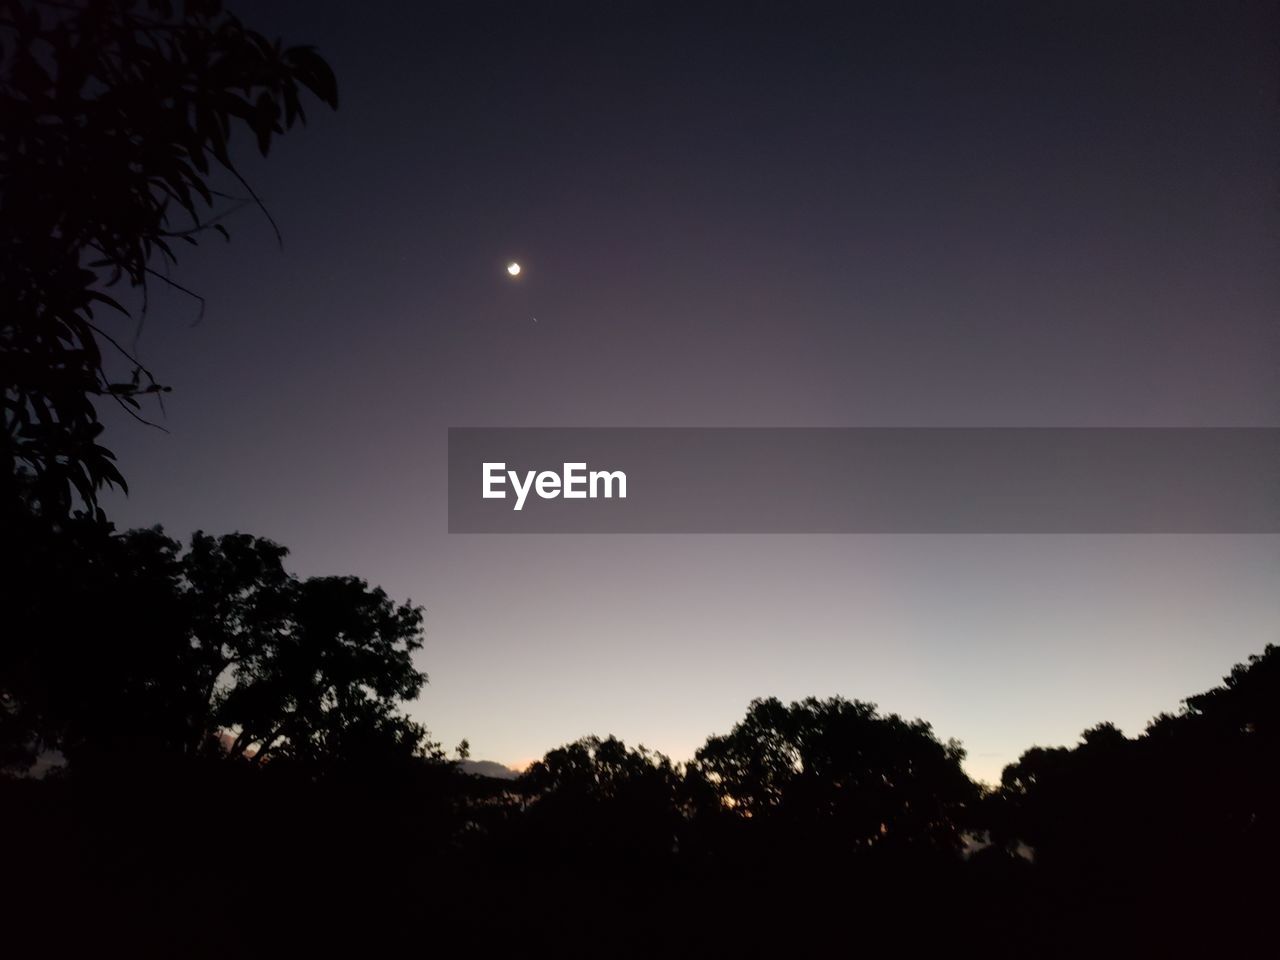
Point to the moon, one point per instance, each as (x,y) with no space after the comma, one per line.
(513,268)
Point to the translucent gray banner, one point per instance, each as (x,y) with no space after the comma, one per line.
(864,480)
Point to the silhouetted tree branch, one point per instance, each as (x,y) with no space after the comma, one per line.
(118,116)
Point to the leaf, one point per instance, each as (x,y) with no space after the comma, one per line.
(264,120)
(314,73)
(100,297)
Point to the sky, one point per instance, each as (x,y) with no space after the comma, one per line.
(745,214)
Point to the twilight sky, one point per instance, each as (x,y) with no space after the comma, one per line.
(743,214)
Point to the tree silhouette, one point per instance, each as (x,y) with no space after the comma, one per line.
(1072,804)
(600,796)
(836,773)
(128,644)
(327,682)
(118,120)
(1180,820)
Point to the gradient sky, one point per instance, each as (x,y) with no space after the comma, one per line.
(747,214)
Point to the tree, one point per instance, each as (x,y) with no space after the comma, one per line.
(128,645)
(838,775)
(326,682)
(1071,802)
(1193,796)
(600,796)
(116,142)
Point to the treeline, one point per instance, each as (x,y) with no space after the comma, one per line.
(237,774)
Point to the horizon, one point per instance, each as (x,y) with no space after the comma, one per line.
(940,217)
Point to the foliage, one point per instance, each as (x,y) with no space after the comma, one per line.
(601,795)
(597,771)
(808,822)
(118,122)
(840,772)
(129,644)
(1199,787)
